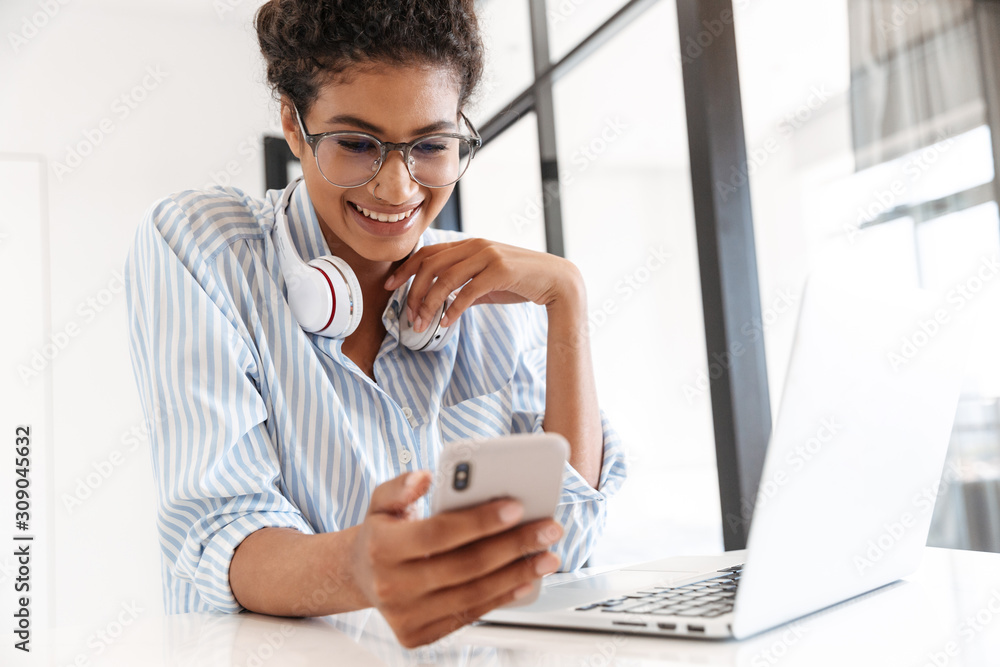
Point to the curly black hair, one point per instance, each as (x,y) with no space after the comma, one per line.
(307,43)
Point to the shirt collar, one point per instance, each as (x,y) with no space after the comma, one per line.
(307,237)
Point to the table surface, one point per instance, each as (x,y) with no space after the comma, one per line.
(946,614)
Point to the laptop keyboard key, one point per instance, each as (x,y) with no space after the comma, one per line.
(708,598)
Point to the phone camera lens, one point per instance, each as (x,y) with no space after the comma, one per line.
(461,481)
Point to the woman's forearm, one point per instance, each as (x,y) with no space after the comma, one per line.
(282,572)
(571,407)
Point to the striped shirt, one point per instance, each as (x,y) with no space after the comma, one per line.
(255,423)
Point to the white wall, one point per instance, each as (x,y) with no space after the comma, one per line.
(160,96)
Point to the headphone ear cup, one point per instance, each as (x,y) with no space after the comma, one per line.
(346,307)
(310,298)
(431,339)
(441,335)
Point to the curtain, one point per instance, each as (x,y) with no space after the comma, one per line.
(915,75)
(988,21)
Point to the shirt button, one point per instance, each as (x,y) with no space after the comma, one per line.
(391,313)
(408,413)
(405,456)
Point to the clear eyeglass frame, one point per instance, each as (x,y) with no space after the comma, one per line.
(385,147)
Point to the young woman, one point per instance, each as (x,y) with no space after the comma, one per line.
(292,468)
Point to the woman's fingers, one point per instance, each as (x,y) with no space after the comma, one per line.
(412,263)
(439,275)
(484,272)
(419,636)
(405,583)
(397,495)
(400,541)
(439,270)
(483,557)
(473,291)
(461,276)
(461,605)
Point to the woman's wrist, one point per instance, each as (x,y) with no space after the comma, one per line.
(337,565)
(569,296)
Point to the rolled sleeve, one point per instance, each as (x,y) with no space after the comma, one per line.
(210,542)
(216,468)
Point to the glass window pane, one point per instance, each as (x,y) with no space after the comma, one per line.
(958,256)
(501,193)
(571,21)
(629,225)
(509,67)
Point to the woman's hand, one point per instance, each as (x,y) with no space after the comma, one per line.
(430,577)
(490,272)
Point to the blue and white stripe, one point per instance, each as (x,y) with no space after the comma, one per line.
(255,423)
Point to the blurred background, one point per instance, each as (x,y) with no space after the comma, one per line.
(868,150)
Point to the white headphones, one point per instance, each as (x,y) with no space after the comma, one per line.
(325,296)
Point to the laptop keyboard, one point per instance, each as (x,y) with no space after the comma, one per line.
(703,599)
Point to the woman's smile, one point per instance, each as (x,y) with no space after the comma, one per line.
(383,216)
(385,222)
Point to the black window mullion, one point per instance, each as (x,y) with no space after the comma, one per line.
(727,259)
(545,116)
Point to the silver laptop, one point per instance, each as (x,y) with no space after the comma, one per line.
(847,492)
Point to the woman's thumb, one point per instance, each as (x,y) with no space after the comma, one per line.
(396,495)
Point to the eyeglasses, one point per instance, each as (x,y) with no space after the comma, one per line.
(351,159)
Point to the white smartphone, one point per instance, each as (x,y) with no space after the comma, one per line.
(526,467)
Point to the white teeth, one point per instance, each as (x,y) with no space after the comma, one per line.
(383,217)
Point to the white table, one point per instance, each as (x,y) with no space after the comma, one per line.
(946,614)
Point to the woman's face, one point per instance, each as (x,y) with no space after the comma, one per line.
(394,104)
